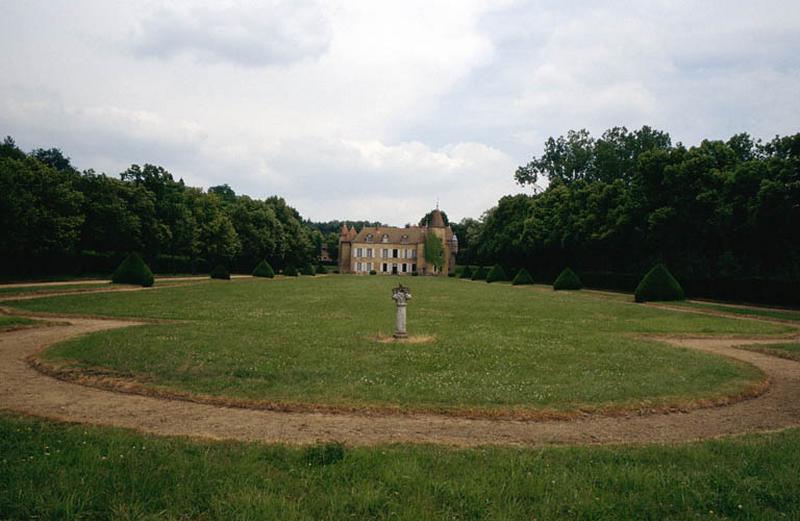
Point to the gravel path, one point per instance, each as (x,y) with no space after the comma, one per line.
(25,390)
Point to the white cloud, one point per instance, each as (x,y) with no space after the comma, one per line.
(367,109)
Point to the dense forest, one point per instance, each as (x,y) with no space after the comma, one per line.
(58,221)
(724,215)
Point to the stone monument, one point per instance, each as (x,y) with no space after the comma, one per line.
(401,295)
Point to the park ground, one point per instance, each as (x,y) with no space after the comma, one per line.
(594,357)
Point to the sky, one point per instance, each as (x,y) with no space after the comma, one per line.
(377,110)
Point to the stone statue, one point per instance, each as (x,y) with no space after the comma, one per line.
(401,295)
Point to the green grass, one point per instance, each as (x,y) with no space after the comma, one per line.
(739,310)
(7,322)
(78,288)
(790,351)
(309,340)
(56,471)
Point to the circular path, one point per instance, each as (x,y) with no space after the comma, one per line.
(25,390)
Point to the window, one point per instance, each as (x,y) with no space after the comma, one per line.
(358,266)
(384,253)
(369,267)
(414,254)
(385,267)
(369,237)
(385,238)
(359,252)
(369,253)
(404,239)
(394,253)
(405,267)
(413,267)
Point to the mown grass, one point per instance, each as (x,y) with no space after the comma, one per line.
(79,288)
(56,471)
(781,314)
(8,322)
(310,341)
(789,351)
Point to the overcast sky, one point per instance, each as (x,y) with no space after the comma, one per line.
(373,110)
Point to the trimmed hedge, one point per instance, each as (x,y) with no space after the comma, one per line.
(290,271)
(522,277)
(308,269)
(321,270)
(496,274)
(133,270)
(466,273)
(479,273)
(567,280)
(264,270)
(659,284)
(220,272)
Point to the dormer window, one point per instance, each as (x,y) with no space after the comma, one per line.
(369,237)
(404,239)
(385,238)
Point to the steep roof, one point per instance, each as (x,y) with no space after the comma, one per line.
(413,234)
(437,221)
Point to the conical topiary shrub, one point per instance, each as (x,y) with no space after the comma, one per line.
(466,273)
(659,284)
(496,274)
(522,277)
(133,270)
(479,273)
(220,272)
(290,271)
(263,269)
(308,269)
(567,280)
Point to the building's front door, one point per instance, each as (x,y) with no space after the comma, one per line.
(394,269)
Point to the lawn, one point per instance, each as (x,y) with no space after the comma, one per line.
(781,314)
(790,351)
(57,471)
(496,348)
(7,322)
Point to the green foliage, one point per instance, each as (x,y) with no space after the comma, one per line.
(133,270)
(658,284)
(496,274)
(522,277)
(373,272)
(426,219)
(321,269)
(466,273)
(220,272)
(568,279)
(324,454)
(264,269)
(308,269)
(290,271)
(479,273)
(434,250)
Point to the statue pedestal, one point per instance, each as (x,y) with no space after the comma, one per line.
(401,295)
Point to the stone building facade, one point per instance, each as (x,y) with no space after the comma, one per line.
(390,250)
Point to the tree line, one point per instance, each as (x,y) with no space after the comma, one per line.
(57,220)
(723,215)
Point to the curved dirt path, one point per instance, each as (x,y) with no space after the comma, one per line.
(25,390)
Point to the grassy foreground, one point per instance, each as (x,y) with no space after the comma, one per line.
(311,340)
(781,314)
(7,322)
(55,471)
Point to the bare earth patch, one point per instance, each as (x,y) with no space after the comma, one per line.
(410,339)
(23,389)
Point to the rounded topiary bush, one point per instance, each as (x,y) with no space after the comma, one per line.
(466,273)
(496,274)
(479,273)
(133,270)
(522,277)
(220,272)
(568,279)
(659,284)
(263,269)
(321,270)
(290,271)
(308,269)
